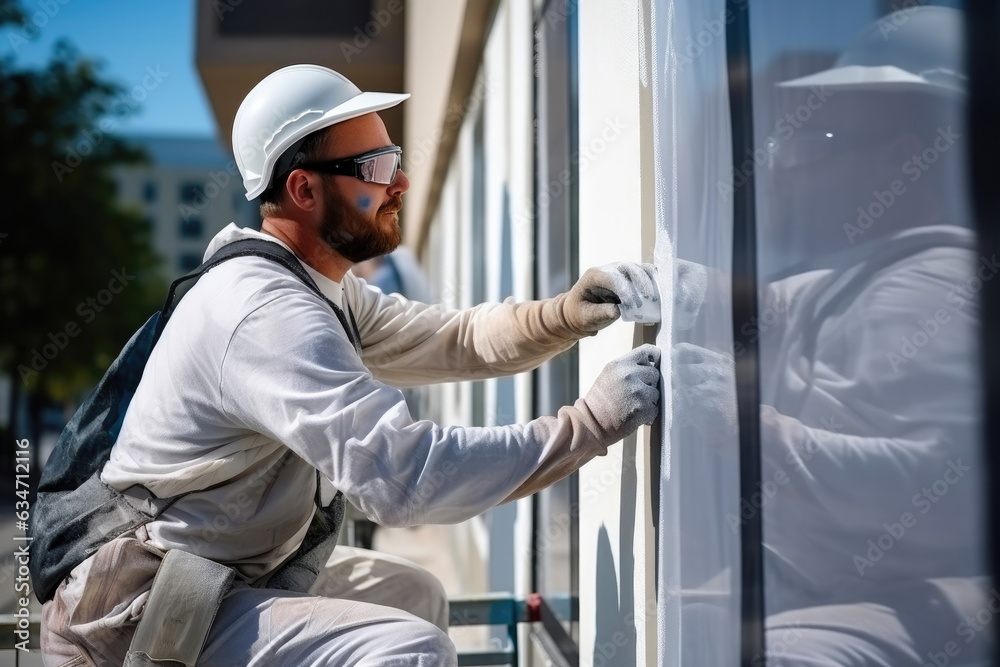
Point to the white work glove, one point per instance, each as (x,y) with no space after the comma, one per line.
(592,303)
(689,293)
(704,393)
(626,394)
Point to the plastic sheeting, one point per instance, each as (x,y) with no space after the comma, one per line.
(698,551)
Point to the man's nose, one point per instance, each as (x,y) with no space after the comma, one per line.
(400,184)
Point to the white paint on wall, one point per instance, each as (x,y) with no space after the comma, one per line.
(698,554)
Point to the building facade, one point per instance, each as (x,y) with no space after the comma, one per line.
(189,191)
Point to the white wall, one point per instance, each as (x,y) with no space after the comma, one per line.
(617,607)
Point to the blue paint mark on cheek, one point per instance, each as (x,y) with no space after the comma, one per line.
(364,202)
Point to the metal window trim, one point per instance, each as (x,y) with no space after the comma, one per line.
(567,647)
(744,301)
(982,21)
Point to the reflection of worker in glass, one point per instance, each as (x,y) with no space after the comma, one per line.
(870,487)
(870,402)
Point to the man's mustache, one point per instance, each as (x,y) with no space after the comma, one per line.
(392,206)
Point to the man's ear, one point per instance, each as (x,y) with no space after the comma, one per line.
(302,188)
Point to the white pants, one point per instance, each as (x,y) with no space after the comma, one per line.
(378,578)
(96,609)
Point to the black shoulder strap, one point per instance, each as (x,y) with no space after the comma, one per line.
(276,253)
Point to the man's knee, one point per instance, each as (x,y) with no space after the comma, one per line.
(428,596)
(424,642)
(370,576)
(440,645)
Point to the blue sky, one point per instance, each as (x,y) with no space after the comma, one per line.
(127,37)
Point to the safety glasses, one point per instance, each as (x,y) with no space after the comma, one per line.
(377,166)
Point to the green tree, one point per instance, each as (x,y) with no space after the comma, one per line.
(78,274)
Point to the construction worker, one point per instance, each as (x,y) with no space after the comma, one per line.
(256,384)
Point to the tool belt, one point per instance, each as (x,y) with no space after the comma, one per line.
(178,615)
(188,590)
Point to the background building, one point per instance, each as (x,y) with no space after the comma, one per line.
(189,191)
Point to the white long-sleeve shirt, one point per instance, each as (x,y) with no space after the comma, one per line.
(254,385)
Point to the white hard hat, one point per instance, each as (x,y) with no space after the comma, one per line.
(913,49)
(287,106)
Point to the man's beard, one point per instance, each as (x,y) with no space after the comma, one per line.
(356,236)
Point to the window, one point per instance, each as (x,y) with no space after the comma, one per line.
(191,228)
(814,171)
(506,394)
(304,18)
(866,267)
(193,194)
(556,542)
(149,191)
(478,249)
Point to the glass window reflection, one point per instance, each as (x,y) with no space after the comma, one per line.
(870,431)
